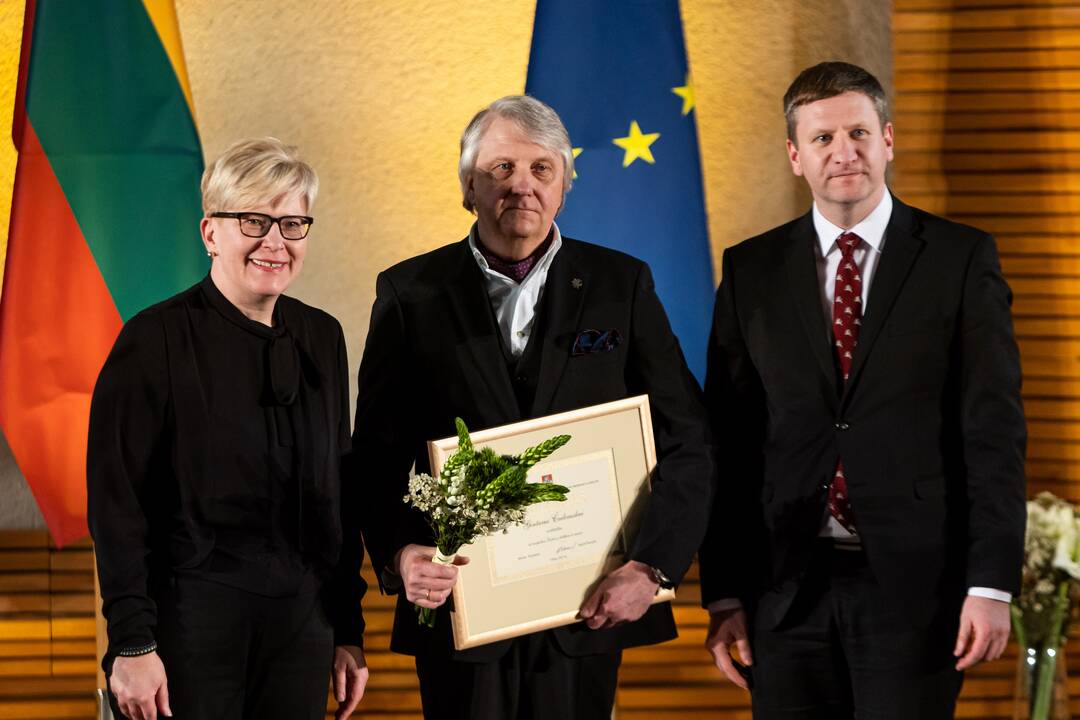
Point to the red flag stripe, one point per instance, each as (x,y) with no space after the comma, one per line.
(52,344)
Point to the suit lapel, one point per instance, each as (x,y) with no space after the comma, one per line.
(470,303)
(805,288)
(565,290)
(901,247)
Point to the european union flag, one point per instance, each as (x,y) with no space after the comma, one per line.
(616,73)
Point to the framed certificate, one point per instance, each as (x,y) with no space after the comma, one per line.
(537,575)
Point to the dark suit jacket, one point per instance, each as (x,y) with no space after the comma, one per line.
(930,425)
(433,353)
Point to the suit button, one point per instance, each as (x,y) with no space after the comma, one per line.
(842,426)
(521,379)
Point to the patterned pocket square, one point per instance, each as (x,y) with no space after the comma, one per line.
(589,342)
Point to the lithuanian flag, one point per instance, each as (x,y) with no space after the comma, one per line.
(104,222)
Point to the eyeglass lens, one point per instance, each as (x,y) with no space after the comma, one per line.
(257,225)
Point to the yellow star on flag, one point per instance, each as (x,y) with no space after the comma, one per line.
(686,92)
(636,145)
(576,151)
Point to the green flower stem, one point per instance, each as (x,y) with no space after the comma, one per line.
(1017,616)
(425,616)
(1044,679)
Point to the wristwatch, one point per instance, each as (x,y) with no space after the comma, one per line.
(660,578)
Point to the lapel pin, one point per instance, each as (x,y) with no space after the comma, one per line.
(576,282)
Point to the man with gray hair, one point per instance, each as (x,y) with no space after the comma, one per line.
(514,322)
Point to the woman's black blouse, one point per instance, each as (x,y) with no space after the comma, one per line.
(214,450)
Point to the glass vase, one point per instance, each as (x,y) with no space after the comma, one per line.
(1042,691)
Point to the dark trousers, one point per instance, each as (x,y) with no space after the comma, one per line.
(534,680)
(233,654)
(845,650)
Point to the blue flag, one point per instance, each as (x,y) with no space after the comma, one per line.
(616,73)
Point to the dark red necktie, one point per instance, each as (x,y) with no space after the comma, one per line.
(847,317)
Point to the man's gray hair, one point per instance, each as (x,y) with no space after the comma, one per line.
(536,119)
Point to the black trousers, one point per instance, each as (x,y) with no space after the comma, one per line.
(233,654)
(845,651)
(534,680)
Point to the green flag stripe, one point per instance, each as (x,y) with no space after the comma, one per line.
(114,123)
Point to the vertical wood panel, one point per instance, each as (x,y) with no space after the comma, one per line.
(49,656)
(47,653)
(987,126)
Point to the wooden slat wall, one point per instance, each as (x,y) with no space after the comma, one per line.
(47,652)
(48,661)
(988,128)
(987,116)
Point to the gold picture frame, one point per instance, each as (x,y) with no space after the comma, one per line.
(537,575)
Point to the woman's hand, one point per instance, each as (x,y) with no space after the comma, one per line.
(350,679)
(140,687)
(427,584)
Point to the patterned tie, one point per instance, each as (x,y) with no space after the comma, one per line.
(847,317)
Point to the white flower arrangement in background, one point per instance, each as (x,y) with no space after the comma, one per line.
(1051,576)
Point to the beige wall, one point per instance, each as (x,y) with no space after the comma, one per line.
(376,93)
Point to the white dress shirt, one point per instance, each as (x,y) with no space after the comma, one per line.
(515,303)
(872,231)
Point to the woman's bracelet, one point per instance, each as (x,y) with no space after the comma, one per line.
(137,651)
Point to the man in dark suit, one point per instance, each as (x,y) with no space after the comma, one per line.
(864,384)
(495,329)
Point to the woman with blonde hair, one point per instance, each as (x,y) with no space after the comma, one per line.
(215,498)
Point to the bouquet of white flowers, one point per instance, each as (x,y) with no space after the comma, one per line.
(1041,612)
(478,493)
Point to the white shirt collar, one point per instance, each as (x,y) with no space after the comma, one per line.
(556,243)
(871,229)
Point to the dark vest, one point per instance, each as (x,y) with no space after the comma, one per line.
(525,371)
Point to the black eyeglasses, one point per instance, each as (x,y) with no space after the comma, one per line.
(257,225)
